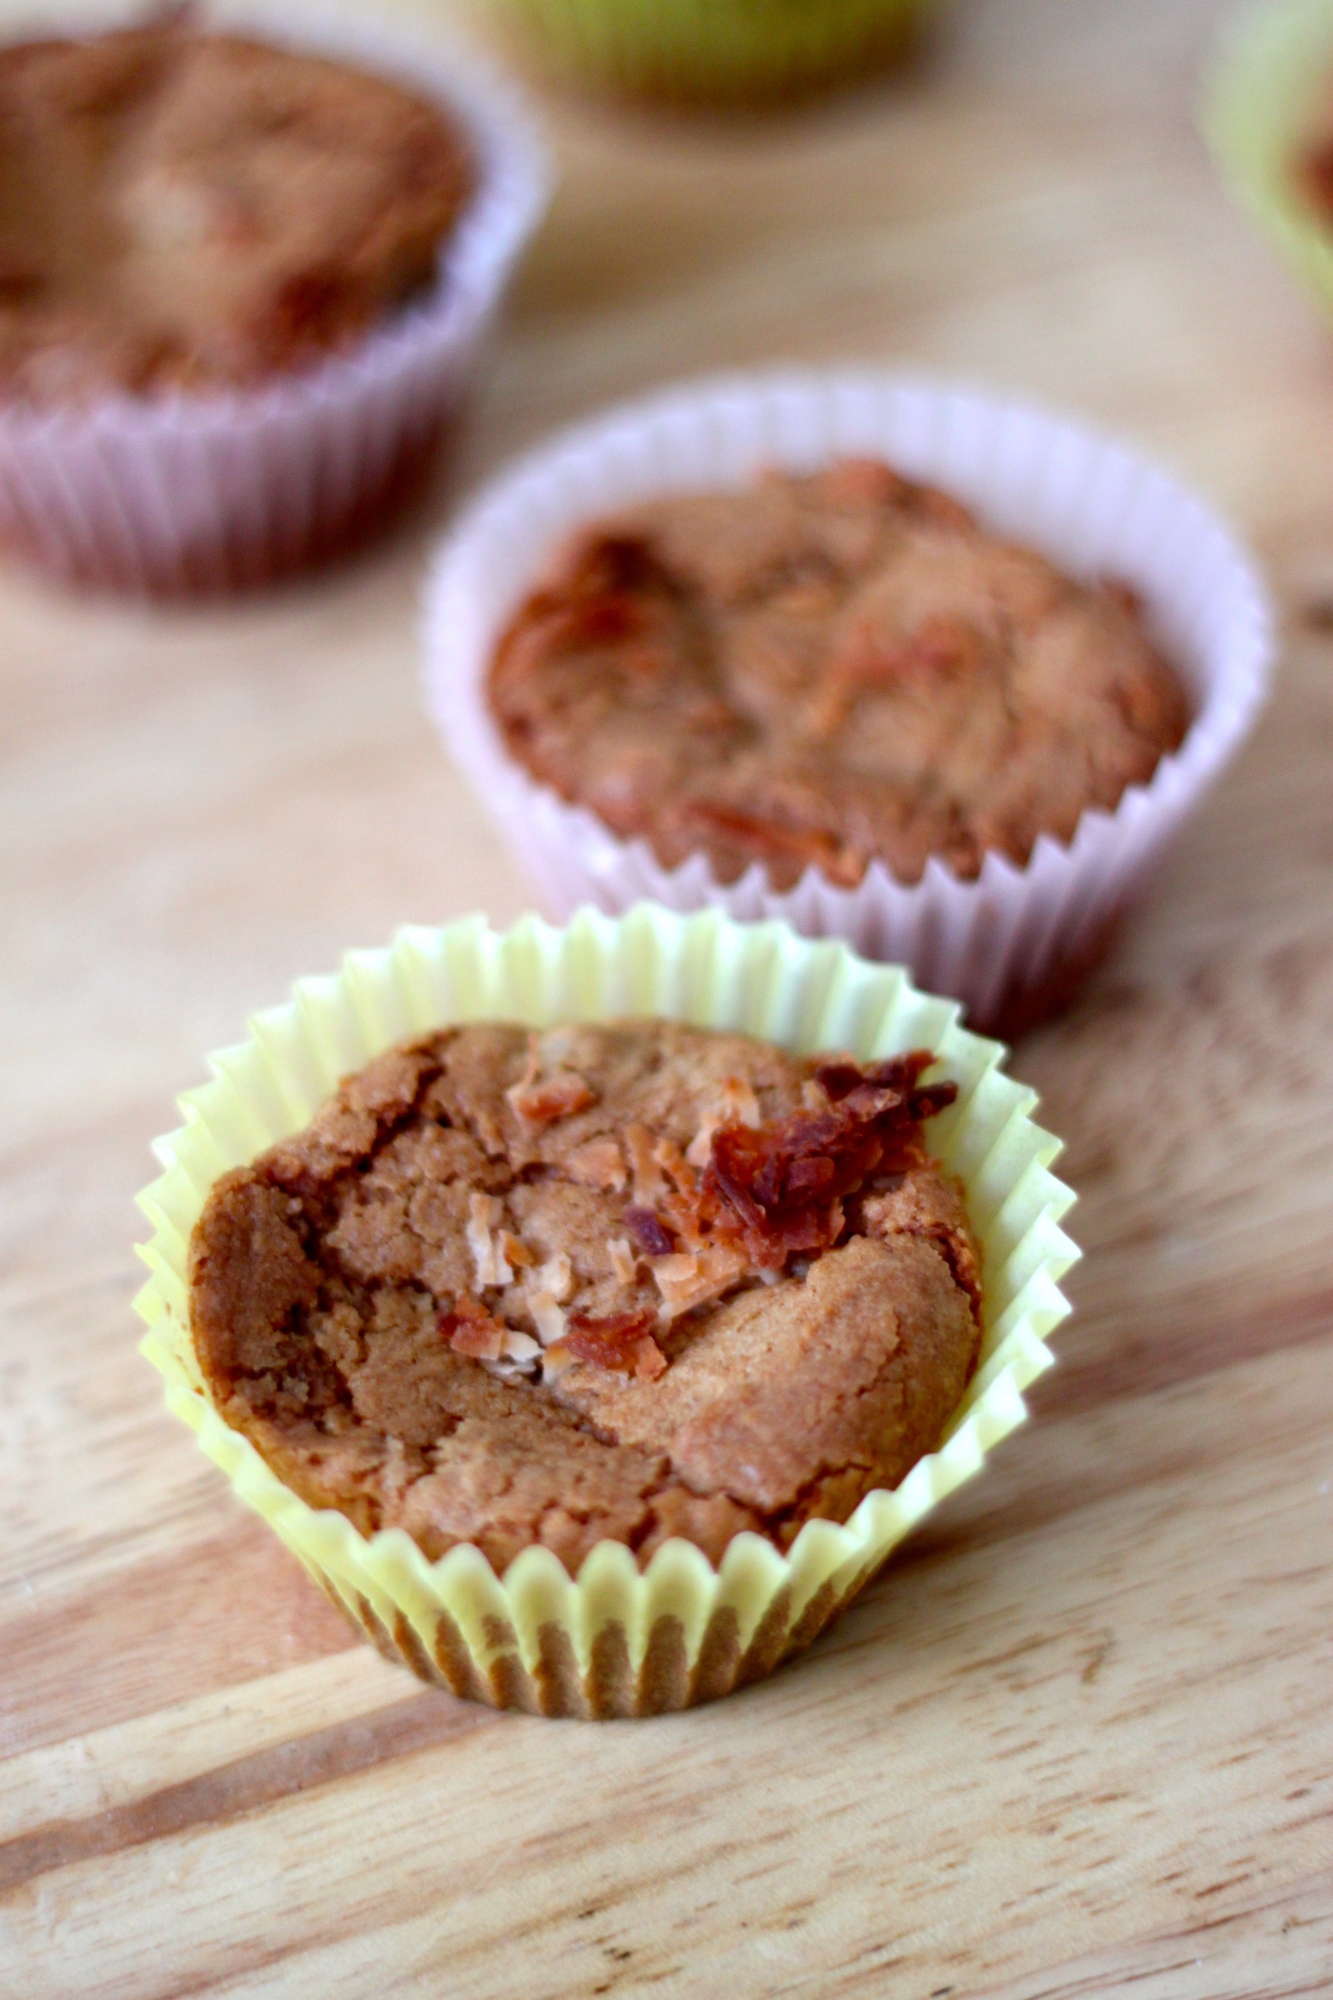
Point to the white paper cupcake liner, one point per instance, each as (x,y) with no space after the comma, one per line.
(205,491)
(1010,942)
(616,1640)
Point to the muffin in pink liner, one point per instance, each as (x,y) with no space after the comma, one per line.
(191,489)
(1012,940)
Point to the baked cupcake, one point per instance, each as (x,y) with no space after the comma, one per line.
(828,670)
(592,1362)
(234,277)
(1268,114)
(601,1282)
(705,51)
(896,663)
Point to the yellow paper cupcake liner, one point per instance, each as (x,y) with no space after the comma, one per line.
(614,1640)
(1271,80)
(705,49)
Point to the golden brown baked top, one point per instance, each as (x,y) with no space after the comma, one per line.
(617,1282)
(827,670)
(196,209)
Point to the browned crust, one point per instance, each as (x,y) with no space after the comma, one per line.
(196,211)
(825,671)
(322,1274)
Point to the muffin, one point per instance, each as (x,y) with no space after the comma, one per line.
(1313,168)
(704,51)
(603,1282)
(827,670)
(562,1417)
(889,661)
(239,282)
(1268,116)
(192,210)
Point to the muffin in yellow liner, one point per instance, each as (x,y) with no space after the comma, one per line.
(734,51)
(616,1641)
(1268,94)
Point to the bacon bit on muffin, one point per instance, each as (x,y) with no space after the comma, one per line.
(622,1343)
(470,1330)
(599,1164)
(848,1081)
(781,1187)
(557,1097)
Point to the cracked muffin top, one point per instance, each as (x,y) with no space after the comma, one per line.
(195,210)
(615,1282)
(826,671)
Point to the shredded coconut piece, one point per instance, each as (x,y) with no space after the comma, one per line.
(687,1280)
(556,1276)
(556,1361)
(505,1370)
(673,1164)
(623,1265)
(741,1102)
(515,1251)
(599,1164)
(736,1105)
(675,1273)
(490,1266)
(517,1346)
(548,1316)
(649,1183)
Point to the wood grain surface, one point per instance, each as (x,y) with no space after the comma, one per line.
(1078,1739)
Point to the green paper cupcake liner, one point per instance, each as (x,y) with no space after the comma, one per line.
(705,49)
(1268,93)
(615,1640)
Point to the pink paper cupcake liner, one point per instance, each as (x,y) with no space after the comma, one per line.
(1012,942)
(193,492)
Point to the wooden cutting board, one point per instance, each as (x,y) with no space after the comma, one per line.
(1077,1740)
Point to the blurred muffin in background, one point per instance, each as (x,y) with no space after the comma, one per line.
(704,51)
(239,286)
(1267,113)
(825,670)
(193,210)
